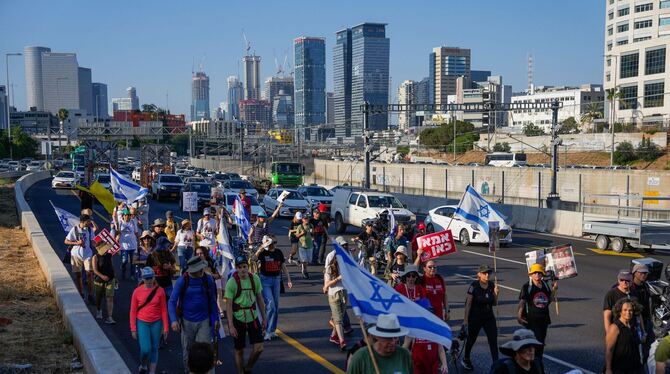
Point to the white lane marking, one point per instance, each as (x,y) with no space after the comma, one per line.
(548,357)
(497,257)
(555,235)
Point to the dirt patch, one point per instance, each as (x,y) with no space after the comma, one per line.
(31,327)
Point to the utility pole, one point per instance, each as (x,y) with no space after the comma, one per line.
(553,198)
(366,143)
(453,124)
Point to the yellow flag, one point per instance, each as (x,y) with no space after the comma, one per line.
(102,194)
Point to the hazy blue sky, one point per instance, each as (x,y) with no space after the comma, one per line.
(153,44)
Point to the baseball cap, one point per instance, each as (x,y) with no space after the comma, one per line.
(147,273)
(298,215)
(625,275)
(421,225)
(640,268)
(484,269)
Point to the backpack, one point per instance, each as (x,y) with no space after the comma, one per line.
(182,293)
(237,306)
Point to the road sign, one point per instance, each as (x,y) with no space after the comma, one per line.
(190,201)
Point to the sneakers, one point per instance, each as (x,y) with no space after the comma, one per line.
(343,346)
(99,314)
(142,369)
(267,337)
(110,320)
(467,364)
(334,339)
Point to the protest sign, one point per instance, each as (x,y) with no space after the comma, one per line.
(104,238)
(494,240)
(535,257)
(282,196)
(190,201)
(561,260)
(436,245)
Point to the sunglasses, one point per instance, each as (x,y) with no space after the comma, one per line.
(412,276)
(624,280)
(431,267)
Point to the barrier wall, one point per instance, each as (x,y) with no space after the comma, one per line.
(97,353)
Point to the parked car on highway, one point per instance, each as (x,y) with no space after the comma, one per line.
(352,206)
(256,209)
(235,186)
(315,195)
(203,189)
(166,185)
(65,179)
(438,219)
(196,180)
(105,180)
(14,166)
(35,166)
(81,172)
(293,203)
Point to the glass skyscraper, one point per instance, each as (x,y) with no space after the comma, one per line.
(368,76)
(310,81)
(200,97)
(235,94)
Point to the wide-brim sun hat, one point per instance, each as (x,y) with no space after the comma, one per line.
(410,269)
(536,268)
(521,338)
(388,327)
(146,233)
(158,222)
(401,249)
(195,264)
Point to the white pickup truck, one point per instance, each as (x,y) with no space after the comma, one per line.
(351,206)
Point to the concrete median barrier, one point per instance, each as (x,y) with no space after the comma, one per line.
(96,352)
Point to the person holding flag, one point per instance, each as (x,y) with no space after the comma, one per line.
(80,237)
(242,218)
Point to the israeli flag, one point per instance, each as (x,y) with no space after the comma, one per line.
(241,218)
(125,189)
(370,297)
(223,241)
(392,225)
(476,210)
(66,219)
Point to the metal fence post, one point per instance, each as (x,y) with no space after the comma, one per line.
(502,198)
(446,183)
(351,174)
(539,189)
(402,184)
(472,183)
(579,192)
(423,182)
(338,174)
(325,178)
(384,177)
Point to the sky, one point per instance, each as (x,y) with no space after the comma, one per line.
(154,45)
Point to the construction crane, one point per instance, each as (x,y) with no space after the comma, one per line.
(247,44)
(281,72)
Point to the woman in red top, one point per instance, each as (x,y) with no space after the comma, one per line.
(436,290)
(408,284)
(148,317)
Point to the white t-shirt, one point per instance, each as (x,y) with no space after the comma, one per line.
(128,235)
(207,228)
(332,290)
(76,233)
(184,238)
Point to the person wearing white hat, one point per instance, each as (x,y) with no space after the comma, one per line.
(390,357)
(392,273)
(521,352)
(207,226)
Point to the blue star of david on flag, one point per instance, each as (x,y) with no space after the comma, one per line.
(474,209)
(484,211)
(386,303)
(66,219)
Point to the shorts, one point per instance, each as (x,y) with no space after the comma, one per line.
(107,287)
(220,286)
(304,254)
(253,329)
(78,263)
(338,306)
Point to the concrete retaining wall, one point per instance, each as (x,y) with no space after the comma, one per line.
(577,142)
(95,350)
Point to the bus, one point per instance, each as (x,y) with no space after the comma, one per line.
(287,174)
(505,159)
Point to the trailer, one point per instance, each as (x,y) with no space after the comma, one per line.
(618,222)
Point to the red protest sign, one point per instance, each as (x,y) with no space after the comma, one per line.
(105,238)
(436,245)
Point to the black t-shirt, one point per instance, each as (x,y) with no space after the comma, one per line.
(502,367)
(537,301)
(482,300)
(271,262)
(317,224)
(104,264)
(292,226)
(642,295)
(364,236)
(614,295)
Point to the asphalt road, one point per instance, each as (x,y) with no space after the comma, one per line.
(575,338)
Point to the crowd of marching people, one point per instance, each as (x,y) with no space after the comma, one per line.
(223,275)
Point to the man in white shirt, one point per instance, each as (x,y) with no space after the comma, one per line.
(80,238)
(207,227)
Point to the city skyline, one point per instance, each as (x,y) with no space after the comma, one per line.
(149,62)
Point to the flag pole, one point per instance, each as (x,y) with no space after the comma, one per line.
(369,345)
(458,207)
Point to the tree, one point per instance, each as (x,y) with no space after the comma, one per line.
(63,114)
(624,153)
(442,135)
(504,147)
(593,112)
(22,144)
(179,144)
(647,150)
(465,142)
(532,130)
(569,126)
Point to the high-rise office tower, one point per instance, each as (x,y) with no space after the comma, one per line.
(407,94)
(635,62)
(283,110)
(252,77)
(60,81)
(310,78)
(99,99)
(131,102)
(342,83)
(330,110)
(86,90)
(446,64)
(369,49)
(200,96)
(275,84)
(235,94)
(33,72)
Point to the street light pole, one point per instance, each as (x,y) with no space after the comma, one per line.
(613,107)
(9,125)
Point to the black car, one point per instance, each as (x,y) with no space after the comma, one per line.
(204,191)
